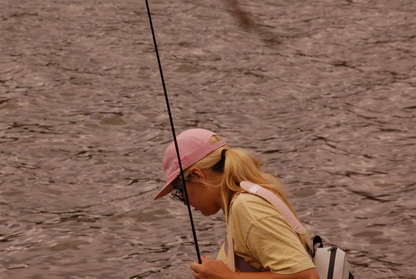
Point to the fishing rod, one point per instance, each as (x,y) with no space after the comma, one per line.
(173,133)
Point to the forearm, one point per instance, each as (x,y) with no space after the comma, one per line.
(215,269)
(306,274)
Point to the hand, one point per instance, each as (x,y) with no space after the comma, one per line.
(211,269)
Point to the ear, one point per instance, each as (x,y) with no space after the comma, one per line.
(197,173)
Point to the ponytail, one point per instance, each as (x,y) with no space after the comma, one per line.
(240,166)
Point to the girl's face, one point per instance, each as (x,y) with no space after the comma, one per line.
(202,197)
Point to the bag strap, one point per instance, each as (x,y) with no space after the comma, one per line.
(331,266)
(277,202)
(239,262)
(234,261)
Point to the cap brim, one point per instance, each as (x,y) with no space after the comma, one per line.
(168,188)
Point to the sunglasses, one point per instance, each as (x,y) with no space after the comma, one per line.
(178,194)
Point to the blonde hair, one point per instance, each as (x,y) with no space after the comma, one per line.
(240,166)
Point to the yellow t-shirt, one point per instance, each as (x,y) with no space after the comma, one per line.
(263,237)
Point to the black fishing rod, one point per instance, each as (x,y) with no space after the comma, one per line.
(173,132)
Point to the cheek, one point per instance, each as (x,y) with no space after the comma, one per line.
(198,203)
(194,198)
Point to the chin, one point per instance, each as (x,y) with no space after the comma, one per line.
(209,213)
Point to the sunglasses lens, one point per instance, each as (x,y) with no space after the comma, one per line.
(177,195)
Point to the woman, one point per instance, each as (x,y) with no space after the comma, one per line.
(261,236)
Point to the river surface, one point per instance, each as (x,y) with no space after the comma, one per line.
(323,92)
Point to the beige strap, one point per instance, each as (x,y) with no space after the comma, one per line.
(230,254)
(230,243)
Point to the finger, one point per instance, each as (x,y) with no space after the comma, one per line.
(195,267)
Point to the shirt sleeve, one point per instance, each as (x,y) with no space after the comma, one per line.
(277,247)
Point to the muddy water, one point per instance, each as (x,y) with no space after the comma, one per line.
(330,109)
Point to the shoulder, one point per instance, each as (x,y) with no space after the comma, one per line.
(250,210)
(250,207)
(251,213)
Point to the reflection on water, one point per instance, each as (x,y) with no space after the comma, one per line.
(331,109)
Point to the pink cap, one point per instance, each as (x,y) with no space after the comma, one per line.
(193,146)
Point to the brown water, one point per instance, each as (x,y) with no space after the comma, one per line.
(331,109)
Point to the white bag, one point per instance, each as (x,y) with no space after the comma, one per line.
(331,263)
